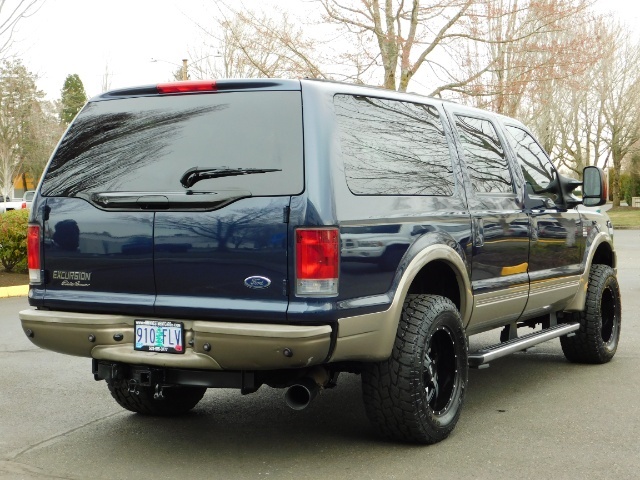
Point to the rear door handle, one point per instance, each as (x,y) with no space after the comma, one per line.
(155,202)
(478,232)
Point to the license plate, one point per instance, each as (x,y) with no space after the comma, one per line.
(159,336)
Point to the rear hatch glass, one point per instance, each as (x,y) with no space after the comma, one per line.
(147,144)
(173,203)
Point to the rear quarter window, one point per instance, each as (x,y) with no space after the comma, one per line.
(391,147)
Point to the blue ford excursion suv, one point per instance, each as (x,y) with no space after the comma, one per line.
(240,233)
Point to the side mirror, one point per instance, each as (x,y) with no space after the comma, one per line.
(594,187)
(567,186)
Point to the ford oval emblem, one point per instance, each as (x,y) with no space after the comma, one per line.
(257,282)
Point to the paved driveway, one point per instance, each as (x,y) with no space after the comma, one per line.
(531,415)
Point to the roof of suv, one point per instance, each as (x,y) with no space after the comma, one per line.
(327,86)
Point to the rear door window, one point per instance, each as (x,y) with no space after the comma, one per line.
(484,155)
(146,144)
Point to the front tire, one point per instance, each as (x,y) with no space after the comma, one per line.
(417,394)
(176,401)
(597,339)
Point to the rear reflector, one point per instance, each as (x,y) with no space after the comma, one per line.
(187,86)
(33,254)
(317,262)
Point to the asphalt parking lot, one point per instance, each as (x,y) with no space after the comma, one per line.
(531,415)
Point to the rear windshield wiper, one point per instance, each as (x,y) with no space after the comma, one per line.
(195,174)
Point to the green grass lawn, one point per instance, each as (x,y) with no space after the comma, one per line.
(625,217)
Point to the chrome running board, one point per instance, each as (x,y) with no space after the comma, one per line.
(488,354)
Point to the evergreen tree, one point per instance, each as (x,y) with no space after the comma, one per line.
(73,98)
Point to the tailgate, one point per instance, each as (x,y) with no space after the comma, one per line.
(175,204)
(226,264)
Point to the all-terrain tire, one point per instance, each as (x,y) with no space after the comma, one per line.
(175,401)
(597,339)
(417,394)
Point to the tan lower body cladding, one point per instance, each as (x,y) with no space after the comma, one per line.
(208,345)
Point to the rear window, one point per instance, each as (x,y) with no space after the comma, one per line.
(146,144)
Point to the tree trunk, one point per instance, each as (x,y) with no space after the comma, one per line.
(615,187)
(615,181)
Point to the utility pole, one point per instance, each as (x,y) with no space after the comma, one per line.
(184,69)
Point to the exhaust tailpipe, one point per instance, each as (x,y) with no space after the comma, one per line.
(299,395)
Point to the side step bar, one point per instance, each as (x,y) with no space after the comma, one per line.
(487,354)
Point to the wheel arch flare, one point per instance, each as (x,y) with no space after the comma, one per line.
(370,337)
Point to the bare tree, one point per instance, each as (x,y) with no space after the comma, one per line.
(566,110)
(573,128)
(550,79)
(573,112)
(18,99)
(619,87)
(399,35)
(44,131)
(107,76)
(522,49)
(457,44)
(593,118)
(11,12)
(249,44)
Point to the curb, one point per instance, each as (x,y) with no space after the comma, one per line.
(17,291)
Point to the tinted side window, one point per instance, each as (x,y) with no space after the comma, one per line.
(536,167)
(486,161)
(393,148)
(146,144)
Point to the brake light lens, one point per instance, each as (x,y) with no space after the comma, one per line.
(33,254)
(24,205)
(187,86)
(317,262)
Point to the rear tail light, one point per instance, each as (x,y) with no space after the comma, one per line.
(24,205)
(33,254)
(317,262)
(187,86)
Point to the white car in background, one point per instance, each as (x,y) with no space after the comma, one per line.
(6,204)
(27,198)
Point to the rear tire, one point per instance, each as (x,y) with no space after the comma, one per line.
(597,339)
(176,401)
(417,394)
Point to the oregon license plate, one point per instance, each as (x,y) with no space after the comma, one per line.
(159,336)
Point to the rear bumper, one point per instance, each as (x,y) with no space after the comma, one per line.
(209,345)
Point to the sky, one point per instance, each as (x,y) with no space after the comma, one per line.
(89,37)
(123,36)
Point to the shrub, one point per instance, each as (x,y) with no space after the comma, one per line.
(630,187)
(630,180)
(13,240)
